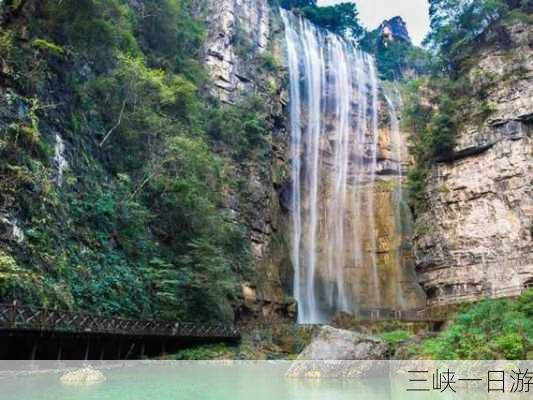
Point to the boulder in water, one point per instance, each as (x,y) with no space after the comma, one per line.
(83,376)
(338,353)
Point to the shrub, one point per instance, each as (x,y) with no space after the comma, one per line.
(489,330)
(47,46)
(207,352)
(395,337)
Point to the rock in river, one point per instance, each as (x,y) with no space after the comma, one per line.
(338,353)
(83,376)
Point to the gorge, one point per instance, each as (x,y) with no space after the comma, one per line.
(346,179)
(248,164)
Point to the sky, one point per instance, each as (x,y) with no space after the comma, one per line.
(373,12)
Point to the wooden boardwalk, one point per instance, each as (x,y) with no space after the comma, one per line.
(16,317)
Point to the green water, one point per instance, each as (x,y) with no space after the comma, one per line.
(197,381)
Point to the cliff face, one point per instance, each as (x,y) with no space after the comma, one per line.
(239,32)
(393,29)
(475,239)
(242,36)
(237,29)
(118,174)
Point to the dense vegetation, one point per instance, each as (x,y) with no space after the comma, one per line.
(395,59)
(342,18)
(438,102)
(490,330)
(456,24)
(137,226)
(274,342)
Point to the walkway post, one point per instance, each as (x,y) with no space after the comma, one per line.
(142,350)
(87,349)
(33,351)
(59,350)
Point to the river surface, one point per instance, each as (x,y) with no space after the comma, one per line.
(215,381)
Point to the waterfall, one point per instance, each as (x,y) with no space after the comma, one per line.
(397,149)
(334,132)
(59,159)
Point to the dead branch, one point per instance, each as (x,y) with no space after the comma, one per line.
(119,121)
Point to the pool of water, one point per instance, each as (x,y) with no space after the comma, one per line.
(214,381)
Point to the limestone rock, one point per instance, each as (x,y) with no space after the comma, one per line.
(340,344)
(474,240)
(394,29)
(231,23)
(337,353)
(86,375)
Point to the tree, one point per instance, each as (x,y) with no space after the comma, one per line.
(342,19)
(455,23)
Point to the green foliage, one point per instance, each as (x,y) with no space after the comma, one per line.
(138,227)
(396,58)
(434,129)
(14,279)
(167,100)
(49,47)
(206,352)
(490,330)
(436,106)
(342,18)
(392,59)
(269,62)
(455,24)
(31,285)
(170,37)
(395,337)
(7,46)
(243,126)
(290,4)
(434,110)
(97,29)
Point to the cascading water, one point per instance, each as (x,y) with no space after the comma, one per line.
(334,131)
(397,146)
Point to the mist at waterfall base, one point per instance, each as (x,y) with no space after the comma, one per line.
(334,95)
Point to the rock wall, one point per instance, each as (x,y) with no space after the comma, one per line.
(475,239)
(389,242)
(236,29)
(240,34)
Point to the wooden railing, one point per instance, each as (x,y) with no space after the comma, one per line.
(14,316)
